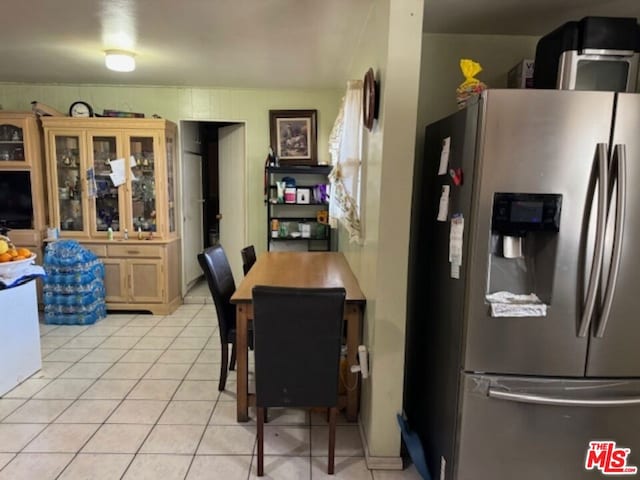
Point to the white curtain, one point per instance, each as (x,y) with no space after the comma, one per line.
(345,149)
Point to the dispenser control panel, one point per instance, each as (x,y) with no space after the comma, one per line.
(519,213)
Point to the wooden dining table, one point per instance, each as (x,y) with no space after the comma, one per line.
(304,270)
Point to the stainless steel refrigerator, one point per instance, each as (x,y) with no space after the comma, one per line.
(533,193)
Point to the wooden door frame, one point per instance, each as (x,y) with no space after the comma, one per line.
(180,185)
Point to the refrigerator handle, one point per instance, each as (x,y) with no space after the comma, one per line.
(560,401)
(598,253)
(620,154)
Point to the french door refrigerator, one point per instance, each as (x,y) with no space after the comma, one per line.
(523,334)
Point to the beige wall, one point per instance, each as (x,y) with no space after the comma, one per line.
(391,45)
(441,73)
(189,103)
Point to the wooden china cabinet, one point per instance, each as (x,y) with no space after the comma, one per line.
(22,191)
(112,187)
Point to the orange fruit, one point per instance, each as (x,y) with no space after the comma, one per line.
(25,252)
(5,257)
(17,257)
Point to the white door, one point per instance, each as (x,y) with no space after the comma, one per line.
(192,231)
(231,161)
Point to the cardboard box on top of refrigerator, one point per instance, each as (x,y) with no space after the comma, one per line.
(521,75)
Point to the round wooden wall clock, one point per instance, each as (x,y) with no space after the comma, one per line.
(369,99)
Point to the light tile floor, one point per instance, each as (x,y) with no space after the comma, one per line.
(135,397)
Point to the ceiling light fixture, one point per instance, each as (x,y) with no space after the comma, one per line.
(119,61)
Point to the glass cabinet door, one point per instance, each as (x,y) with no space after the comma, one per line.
(69,178)
(107,195)
(143,183)
(171,181)
(11,143)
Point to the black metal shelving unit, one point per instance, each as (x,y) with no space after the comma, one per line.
(295,214)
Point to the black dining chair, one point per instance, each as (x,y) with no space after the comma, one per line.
(248,258)
(297,335)
(217,271)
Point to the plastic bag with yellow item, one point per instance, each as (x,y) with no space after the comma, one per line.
(471,86)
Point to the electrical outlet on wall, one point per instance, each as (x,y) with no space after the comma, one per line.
(363,361)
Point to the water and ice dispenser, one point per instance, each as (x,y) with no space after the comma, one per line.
(523,246)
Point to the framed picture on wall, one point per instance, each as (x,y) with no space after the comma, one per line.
(294,136)
(302,195)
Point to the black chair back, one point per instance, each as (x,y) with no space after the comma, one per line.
(297,340)
(217,271)
(248,258)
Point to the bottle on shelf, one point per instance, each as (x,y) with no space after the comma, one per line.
(139,233)
(109,233)
(126,234)
(272,159)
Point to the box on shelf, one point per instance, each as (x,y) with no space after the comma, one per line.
(521,75)
(289,195)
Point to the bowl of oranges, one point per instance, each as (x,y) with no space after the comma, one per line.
(12,258)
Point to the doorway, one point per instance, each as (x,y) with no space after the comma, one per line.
(214,193)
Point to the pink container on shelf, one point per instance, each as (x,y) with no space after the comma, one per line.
(289,195)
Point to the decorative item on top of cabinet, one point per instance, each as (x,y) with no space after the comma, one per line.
(80,109)
(119,174)
(42,110)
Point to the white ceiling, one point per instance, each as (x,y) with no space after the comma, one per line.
(239,43)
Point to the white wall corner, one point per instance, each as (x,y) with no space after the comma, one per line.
(378,463)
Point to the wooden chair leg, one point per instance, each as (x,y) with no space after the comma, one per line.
(232,364)
(260,441)
(332,440)
(223,367)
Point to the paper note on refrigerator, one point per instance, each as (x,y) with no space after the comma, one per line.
(455,244)
(443,208)
(444,156)
(455,271)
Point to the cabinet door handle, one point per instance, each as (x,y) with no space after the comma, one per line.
(133,252)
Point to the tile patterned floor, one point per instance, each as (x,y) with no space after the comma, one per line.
(135,397)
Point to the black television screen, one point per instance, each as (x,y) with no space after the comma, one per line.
(16,209)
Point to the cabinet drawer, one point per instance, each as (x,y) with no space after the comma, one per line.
(25,238)
(146,251)
(99,250)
